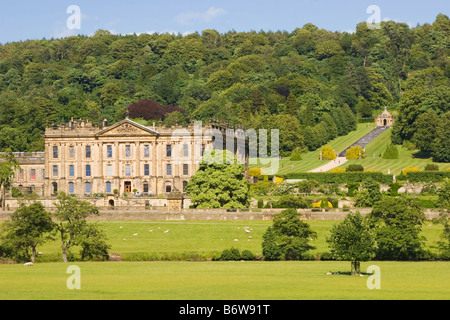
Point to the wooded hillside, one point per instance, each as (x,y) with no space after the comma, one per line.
(310,83)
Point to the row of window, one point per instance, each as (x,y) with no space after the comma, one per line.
(109,151)
(108,187)
(33,175)
(109,170)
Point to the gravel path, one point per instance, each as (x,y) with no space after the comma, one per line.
(331,165)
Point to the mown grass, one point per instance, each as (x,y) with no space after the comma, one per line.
(374,160)
(217,280)
(310,160)
(200,240)
(225,281)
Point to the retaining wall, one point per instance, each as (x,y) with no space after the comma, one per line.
(218,214)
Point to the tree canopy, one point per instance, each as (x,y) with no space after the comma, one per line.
(310,78)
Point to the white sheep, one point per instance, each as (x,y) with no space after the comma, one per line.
(28,264)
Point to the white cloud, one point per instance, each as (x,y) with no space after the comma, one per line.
(188,18)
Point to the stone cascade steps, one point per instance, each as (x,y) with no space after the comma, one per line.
(366,139)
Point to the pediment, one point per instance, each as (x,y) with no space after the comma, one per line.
(126,128)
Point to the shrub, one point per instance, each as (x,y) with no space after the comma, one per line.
(393,189)
(346,177)
(254,172)
(290,201)
(278,180)
(352,188)
(355,168)
(322,204)
(247,255)
(328,153)
(391,152)
(431,167)
(427,176)
(338,170)
(260,203)
(410,169)
(354,152)
(307,186)
(232,254)
(296,155)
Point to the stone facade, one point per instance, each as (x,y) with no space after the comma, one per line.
(125,158)
(385,119)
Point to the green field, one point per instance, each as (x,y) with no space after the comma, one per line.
(310,160)
(199,239)
(224,281)
(373,161)
(406,159)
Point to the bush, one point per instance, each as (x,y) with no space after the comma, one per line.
(410,169)
(427,176)
(354,152)
(391,152)
(393,189)
(337,170)
(290,201)
(296,155)
(346,177)
(247,255)
(254,172)
(260,203)
(232,254)
(328,153)
(355,168)
(352,188)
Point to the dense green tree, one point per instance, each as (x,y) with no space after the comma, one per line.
(288,238)
(28,227)
(352,240)
(426,130)
(398,223)
(8,166)
(217,184)
(441,151)
(71,223)
(368,195)
(307,73)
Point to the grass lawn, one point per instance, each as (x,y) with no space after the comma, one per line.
(225,281)
(310,160)
(179,280)
(199,239)
(373,161)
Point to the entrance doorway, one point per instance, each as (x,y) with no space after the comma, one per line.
(111,203)
(127,188)
(385,122)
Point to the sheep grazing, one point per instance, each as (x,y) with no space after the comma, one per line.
(28,264)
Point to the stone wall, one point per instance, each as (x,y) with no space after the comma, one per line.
(159,214)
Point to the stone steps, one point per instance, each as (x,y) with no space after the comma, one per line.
(366,139)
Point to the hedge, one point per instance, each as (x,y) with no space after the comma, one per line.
(427,176)
(347,177)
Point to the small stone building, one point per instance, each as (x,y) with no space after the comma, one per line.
(385,119)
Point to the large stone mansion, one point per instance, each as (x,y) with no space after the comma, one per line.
(150,161)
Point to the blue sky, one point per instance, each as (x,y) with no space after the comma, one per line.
(22,20)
